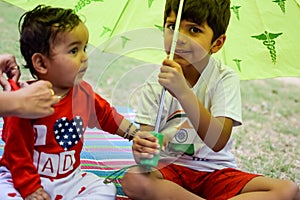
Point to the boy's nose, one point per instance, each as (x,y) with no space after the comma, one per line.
(182,38)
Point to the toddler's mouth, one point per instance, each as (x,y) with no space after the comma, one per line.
(83,69)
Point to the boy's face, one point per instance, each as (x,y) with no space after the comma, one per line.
(68,60)
(194,40)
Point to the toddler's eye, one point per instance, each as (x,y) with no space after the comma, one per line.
(74,51)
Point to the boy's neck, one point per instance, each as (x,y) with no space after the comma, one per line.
(192,76)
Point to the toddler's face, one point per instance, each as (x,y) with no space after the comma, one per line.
(194,40)
(68,60)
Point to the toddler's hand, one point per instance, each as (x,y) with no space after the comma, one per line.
(145,145)
(39,194)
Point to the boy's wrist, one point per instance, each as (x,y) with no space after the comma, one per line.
(185,95)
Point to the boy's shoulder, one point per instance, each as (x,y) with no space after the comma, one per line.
(217,67)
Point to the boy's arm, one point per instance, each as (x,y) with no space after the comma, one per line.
(214,131)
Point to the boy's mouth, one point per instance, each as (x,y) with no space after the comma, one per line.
(180,51)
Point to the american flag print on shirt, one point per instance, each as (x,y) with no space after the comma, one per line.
(68,133)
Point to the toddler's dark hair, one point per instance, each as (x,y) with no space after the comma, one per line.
(38,29)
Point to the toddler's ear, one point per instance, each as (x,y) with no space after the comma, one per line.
(38,62)
(218,44)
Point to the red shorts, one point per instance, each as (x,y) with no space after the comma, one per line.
(217,185)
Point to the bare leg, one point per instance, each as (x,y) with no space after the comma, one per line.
(297,197)
(138,185)
(265,188)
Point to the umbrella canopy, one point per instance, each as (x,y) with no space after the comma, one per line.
(262,39)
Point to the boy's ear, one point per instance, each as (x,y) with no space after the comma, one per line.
(217,44)
(38,62)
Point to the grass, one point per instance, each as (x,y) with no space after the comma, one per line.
(269,140)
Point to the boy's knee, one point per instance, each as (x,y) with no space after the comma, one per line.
(134,184)
(297,196)
(289,190)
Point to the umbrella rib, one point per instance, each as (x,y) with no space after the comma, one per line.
(171,56)
(116,24)
(118,21)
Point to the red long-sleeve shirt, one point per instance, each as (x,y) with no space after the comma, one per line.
(50,146)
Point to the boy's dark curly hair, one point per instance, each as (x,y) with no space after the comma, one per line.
(215,12)
(38,29)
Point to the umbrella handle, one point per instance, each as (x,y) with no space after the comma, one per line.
(172,52)
(176,30)
(160,109)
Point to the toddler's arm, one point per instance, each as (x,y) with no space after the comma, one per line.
(127,129)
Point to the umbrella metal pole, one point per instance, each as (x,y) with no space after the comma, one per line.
(172,52)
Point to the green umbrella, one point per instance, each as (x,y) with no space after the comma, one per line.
(262,37)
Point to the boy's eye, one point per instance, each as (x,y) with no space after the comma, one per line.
(195,30)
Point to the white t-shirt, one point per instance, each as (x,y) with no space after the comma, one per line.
(218,88)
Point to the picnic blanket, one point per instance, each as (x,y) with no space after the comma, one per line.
(103,153)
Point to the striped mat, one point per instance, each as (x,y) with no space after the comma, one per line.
(103,153)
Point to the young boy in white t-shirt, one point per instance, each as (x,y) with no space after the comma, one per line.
(200,110)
